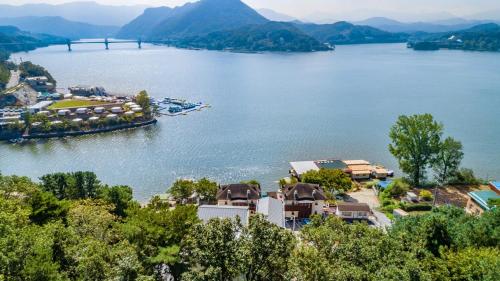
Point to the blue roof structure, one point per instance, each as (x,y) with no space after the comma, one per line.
(495,185)
(384,184)
(482,197)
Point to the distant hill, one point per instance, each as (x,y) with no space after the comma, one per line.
(143,25)
(275,16)
(270,36)
(59,26)
(347,33)
(207,16)
(484,37)
(390,25)
(88,12)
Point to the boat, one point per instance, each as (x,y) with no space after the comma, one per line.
(18,140)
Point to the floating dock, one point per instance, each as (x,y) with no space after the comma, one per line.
(176,107)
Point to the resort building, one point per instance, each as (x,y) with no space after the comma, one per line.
(301,200)
(479,201)
(241,194)
(87,91)
(40,84)
(358,169)
(208,212)
(353,211)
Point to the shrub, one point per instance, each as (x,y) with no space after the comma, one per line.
(466,177)
(397,188)
(416,207)
(426,195)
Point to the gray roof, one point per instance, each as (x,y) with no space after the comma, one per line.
(272,209)
(208,212)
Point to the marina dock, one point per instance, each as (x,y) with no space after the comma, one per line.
(175,107)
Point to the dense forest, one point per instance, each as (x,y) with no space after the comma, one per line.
(70,226)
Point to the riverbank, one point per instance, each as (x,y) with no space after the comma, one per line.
(86,132)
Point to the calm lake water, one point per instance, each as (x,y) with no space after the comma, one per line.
(267,110)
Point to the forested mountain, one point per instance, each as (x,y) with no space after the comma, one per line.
(89,12)
(12,39)
(271,36)
(347,33)
(192,19)
(484,37)
(59,26)
(390,25)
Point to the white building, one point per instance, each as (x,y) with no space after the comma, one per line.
(353,211)
(208,212)
(272,209)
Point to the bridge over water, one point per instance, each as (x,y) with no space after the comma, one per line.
(106,42)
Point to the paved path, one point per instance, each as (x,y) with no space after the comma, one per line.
(14,79)
(368,196)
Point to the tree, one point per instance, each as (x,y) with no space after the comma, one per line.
(397,188)
(332,180)
(142,99)
(415,143)
(120,196)
(268,249)
(206,189)
(448,160)
(46,207)
(213,251)
(182,190)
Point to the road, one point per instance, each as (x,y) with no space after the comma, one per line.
(368,196)
(14,79)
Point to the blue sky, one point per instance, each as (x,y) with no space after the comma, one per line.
(342,9)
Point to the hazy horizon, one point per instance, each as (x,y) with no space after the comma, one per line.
(404,10)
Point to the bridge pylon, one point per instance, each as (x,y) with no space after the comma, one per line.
(68,43)
(139,43)
(106,43)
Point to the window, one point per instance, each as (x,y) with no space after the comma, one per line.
(362,214)
(347,214)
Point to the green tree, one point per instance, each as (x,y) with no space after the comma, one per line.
(448,160)
(415,143)
(268,249)
(46,207)
(473,264)
(142,99)
(182,190)
(213,251)
(206,189)
(119,196)
(397,188)
(332,180)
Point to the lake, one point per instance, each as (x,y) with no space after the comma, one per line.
(267,110)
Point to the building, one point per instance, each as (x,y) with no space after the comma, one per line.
(40,84)
(478,201)
(358,169)
(241,194)
(353,211)
(301,200)
(40,106)
(272,209)
(208,212)
(87,91)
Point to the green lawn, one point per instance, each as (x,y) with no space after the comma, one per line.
(74,103)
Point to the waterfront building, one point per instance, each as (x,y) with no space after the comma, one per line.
(40,106)
(241,194)
(272,209)
(63,112)
(353,211)
(87,91)
(116,109)
(40,84)
(82,110)
(301,200)
(99,110)
(358,169)
(479,201)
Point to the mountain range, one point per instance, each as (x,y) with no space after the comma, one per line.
(12,39)
(59,26)
(88,12)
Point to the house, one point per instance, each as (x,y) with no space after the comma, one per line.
(478,201)
(208,212)
(241,194)
(359,169)
(301,200)
(272,209)
(353,211)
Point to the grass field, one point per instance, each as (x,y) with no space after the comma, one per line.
(75,103)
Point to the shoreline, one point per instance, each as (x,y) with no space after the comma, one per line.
(90,132)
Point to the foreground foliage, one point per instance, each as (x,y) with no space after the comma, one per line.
(73,227)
